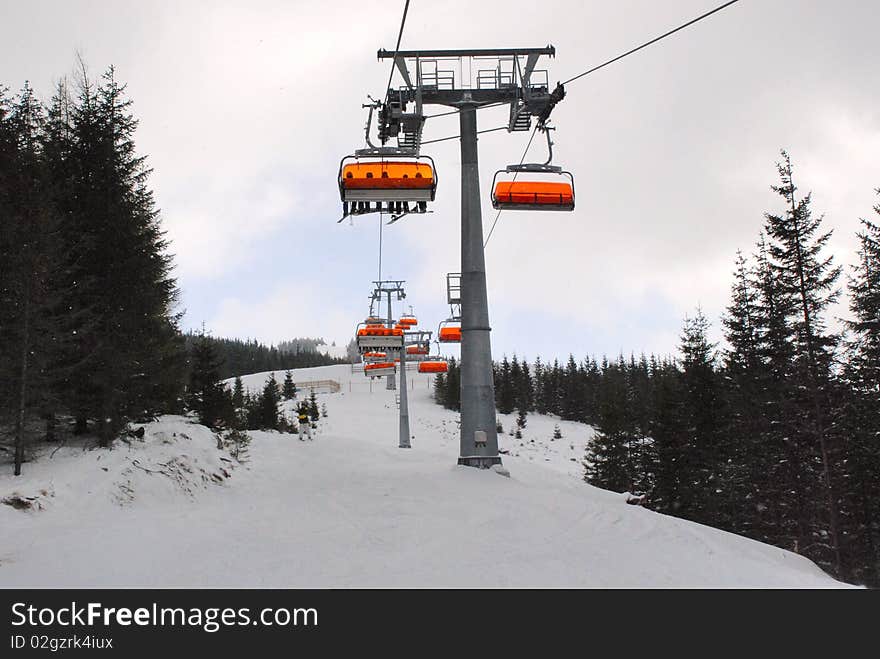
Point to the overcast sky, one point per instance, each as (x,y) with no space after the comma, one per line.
(246,108)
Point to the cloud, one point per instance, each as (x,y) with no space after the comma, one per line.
(290,309)
(246,109)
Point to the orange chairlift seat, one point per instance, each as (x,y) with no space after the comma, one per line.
(408,320)
(372,337)
(529,193)
(533,195)
(417,350)
(450,331)
(379,330)
(534,186)
(375,355)
(387,175)
(375,369)
(369,184)
(438,366)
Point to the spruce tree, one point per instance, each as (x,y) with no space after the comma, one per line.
(206,395)
(668,430)
(608,463)
(238,393)
(747,434)
(129,363)
(858,415)
(699,477)
(864,289)
(440,389)
(538,388)
(521,415)
(288,391)
(525,388)
(504,388)
(37,325)
(807,281)
(314,410)
(452,400)
(572,392)
(268,415)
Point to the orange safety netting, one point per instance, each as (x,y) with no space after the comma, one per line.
(383,175)
(530,192)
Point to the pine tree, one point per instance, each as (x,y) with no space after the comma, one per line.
(668,429)
(857,416)
(538,399)
(807,281)
(268,414)
(516,382)
(452,398)
(440,389)
(608,463)
(572,392)
(129,362)
(864,288)
(288,391)
(699,477)
(36,325)
(740,322)
(521,418)
(747,434)
(504,391)
(206,395)
(238,393)
(314,411)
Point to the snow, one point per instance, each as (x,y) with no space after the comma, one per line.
(350,509)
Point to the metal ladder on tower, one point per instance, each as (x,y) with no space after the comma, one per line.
(520,118)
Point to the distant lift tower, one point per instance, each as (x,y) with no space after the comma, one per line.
(391,289)
(468,80)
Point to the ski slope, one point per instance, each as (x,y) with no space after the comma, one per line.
(350,509)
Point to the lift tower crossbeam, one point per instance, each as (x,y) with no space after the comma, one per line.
(505,75)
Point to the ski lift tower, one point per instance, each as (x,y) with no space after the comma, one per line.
(389,288)
(468,80)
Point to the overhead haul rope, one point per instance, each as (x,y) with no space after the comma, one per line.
(388,86)
(397,48)
(652,41)
(380,246)
(603,65)
(611,61)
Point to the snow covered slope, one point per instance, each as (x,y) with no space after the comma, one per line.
(350,509)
